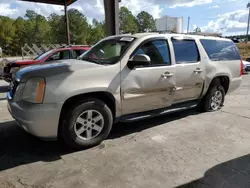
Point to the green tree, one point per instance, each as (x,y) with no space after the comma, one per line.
(97,32)
(56,34)
(41,30)
(19,37)
(7,33)
(127,21)
(145,22)
(78,25)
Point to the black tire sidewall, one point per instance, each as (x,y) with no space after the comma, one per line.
(68,132)
(208,98)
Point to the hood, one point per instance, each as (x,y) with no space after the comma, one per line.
(25,62)
(54,68)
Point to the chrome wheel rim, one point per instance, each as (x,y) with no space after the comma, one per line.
(216,100)
(89,124)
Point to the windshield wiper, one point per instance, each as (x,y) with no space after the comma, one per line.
(91,60)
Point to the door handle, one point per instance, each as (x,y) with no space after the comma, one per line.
(198,70)
(167,75)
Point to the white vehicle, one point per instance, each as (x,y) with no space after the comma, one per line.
(246,66)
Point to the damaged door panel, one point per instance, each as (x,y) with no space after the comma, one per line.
(149,87)
(146,89)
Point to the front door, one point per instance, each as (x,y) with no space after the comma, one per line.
(149,87)
(189,70)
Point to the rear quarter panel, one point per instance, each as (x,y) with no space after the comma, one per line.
(213,69)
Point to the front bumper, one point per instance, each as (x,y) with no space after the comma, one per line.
(40,120)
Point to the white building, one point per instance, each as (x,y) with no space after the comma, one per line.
(168,23)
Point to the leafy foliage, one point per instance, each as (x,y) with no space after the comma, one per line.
(35,28)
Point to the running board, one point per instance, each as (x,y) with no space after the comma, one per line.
(159,112)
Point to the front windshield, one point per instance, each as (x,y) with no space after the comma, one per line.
(40,57)
(108,51)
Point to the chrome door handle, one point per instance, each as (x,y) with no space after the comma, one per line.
(198,70)
(167,75)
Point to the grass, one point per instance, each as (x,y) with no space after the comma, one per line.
(244,50)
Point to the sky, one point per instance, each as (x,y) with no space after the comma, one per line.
(225,16)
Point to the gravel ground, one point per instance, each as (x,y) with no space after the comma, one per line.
(186,149)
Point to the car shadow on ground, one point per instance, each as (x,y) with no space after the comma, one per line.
(231,174)
(18,147)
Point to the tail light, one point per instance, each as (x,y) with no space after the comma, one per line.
(241,68)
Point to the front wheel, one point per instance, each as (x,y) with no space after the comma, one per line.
(214,99)
(87,124)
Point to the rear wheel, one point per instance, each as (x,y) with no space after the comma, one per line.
(214,99)
(87,124)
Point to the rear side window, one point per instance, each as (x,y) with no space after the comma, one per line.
(218,50)
(77,53)
(185,51)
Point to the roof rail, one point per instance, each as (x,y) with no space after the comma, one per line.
(207,34)
(72,45)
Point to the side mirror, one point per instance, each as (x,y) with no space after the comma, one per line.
(139,60)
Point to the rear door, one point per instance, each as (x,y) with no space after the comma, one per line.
(190,74)
(149,87)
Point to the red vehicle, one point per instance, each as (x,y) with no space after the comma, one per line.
(68,52)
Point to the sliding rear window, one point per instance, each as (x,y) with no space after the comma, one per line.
(219,50)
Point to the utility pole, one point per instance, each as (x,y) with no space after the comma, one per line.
(67,21)
(248,6)
(188,25)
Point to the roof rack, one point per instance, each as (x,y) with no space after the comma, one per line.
(206,34)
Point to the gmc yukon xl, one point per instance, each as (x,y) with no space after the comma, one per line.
(123,78)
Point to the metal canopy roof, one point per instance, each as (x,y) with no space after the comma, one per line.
(55,2)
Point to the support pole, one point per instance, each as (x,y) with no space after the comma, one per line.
(112,16)
(188,25)
(67,22)
(248,23)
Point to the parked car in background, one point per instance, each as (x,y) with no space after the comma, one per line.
(123,78)
(248,59)
(67,52)
(246,66)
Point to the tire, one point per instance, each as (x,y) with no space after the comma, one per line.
(206,103)
(81,112)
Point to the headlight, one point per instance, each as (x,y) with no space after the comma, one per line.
(34,90)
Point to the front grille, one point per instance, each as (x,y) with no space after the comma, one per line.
(13,86)
(6,70)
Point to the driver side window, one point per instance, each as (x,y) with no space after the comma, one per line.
(157,50)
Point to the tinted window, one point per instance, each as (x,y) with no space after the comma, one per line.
(60,55)
(77,53)
(40,57)
(185,51)
(157,50)
(220,50)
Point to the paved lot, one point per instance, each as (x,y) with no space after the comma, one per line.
(187,149)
